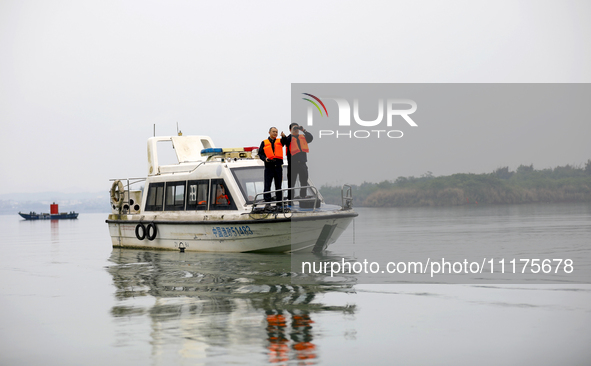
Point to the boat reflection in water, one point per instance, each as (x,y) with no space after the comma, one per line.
(225,306)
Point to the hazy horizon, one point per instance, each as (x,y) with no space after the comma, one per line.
(83,83)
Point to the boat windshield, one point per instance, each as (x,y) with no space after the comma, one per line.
(251,181)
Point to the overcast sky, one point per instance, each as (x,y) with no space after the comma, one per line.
(83,82)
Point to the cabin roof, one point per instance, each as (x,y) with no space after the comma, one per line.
(187,150)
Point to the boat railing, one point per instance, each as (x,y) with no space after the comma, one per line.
(347,197)
(129,181)
(259,199)
(127,188)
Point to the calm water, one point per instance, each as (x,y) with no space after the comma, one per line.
(68,298)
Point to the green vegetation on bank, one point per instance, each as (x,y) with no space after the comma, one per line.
(525,185)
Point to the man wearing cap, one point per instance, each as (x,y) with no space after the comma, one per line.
(271,152)
(297,157)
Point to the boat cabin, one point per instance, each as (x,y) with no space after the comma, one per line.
(205,178)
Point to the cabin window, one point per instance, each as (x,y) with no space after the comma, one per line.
(220,198)
(155,198)
(175,196)
(197,193)
(251,182)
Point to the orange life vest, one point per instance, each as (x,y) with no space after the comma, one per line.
(222,199)
(293,146)
(268,149)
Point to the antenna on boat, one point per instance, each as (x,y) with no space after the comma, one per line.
(179,132)
(154,130)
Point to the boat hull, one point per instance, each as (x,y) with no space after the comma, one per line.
(305,233)
(69,216)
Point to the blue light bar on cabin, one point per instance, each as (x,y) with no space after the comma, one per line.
(211,151)
(230,153)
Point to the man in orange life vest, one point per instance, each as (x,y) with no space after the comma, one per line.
(297,157)
(271,152)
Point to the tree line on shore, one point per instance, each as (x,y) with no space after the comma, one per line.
(525,185)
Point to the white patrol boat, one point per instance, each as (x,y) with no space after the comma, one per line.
(212,200)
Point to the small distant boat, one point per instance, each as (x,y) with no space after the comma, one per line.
(53,215)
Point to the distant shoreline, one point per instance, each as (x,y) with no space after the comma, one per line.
(526,185)
(13,207)
(562,184)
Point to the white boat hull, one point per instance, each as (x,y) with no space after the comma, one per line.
(272,235)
